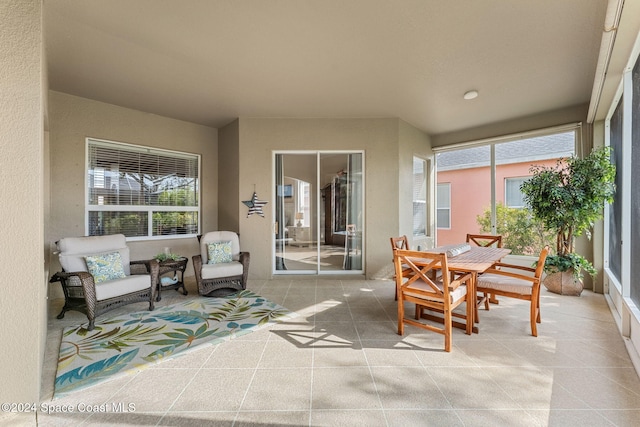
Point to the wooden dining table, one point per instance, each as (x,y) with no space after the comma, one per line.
(476,260)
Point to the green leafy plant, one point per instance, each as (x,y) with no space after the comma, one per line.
(164,257)
(568,198)
(520,231)
(570,262)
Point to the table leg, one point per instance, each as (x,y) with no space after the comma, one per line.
(476,317)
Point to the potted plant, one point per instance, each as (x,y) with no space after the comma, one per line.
(164,256)
(568,198)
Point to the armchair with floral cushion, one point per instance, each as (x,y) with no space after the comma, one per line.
(97,275)
(220,268)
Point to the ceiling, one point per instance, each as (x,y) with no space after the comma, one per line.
(212,61)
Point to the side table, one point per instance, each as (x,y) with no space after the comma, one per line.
(176,267)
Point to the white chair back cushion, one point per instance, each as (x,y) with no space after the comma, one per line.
(220,236)
(74,249)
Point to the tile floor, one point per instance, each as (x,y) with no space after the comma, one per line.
(341,363)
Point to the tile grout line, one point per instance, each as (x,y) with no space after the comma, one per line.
(364,353)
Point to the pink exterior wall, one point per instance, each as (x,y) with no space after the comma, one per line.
(471,195)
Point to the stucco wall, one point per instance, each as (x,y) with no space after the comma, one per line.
(228,178)
(72,119)
(23,304)
(379,140)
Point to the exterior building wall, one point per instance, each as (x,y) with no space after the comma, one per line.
(471,195)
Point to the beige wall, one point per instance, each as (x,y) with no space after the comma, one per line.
(22,164)
(228,178)
(245,150)
(72,119)
(379,138)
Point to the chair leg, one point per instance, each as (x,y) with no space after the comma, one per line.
(400,316)
(534,316)
(447,331)
(535,311)
(493,299)
(476,314)
(486,301)
(472,311)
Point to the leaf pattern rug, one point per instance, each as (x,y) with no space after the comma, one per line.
(131,342)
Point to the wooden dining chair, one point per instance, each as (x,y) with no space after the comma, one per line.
(441,295)
(401,242)
(486,240)
(516,281)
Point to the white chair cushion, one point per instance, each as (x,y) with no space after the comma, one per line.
(505,283)
(74,249)
(219,236)
(118,287)
(454,295)
(226,269)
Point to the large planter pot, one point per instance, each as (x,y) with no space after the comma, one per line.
(563,283)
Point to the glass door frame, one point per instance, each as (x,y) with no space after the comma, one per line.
(318,205)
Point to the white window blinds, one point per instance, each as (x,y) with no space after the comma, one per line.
(141,191)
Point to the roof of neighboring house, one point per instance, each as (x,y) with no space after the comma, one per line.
(525,150)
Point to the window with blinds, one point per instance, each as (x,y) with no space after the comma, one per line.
(419,196)
(141,192)
(512,195)
(443,205)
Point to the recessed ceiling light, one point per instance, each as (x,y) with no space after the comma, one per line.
(472,94)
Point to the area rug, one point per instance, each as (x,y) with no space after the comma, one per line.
(128,343)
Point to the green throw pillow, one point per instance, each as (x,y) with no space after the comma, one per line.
(219,252)
(105,267)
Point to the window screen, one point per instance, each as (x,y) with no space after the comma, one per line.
(615,209)
(635,192)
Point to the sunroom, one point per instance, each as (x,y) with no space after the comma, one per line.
(334,114)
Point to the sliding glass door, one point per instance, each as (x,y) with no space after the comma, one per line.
(319,212)
(295,241)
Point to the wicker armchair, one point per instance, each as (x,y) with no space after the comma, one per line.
(220,276)
(115,280)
